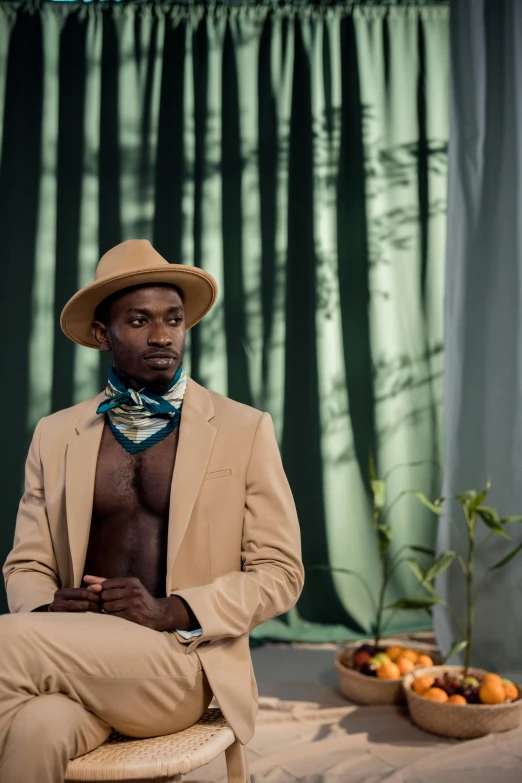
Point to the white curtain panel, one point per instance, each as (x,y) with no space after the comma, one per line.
(483,384)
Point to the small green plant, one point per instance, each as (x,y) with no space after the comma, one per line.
(383,612)
(473,508)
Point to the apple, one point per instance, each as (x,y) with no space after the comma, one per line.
(471,681)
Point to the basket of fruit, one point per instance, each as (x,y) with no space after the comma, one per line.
(462,701)
(373,675)
(445,700)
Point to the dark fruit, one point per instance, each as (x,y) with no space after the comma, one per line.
(369,648)
(368,669)
(472,695)
(361,657)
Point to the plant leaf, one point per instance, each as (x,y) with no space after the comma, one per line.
(510,520)
(505,560)
(491,518)
(467,497)
(415,603)
(423,549)
(385,536)
(462,564)
(455,648)
(477,500)
(372,474)
(435,507)
(419,573)
(488,512)
(444,560)
(379,494)
(416,569)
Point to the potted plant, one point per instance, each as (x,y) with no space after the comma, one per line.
(372,672)
(460,701)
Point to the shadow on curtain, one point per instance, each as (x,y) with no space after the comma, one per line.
(297,154)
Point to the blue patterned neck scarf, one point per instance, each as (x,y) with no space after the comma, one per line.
(140,419)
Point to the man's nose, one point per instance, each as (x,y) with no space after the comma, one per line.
(159,335)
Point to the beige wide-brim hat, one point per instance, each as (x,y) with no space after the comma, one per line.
(135,262)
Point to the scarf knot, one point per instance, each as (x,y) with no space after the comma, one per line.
(141,418)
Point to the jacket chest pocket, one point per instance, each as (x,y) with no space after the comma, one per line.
(217,474)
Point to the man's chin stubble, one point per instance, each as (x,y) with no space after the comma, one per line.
(159,385)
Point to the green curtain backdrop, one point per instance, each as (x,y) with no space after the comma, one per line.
(299,155)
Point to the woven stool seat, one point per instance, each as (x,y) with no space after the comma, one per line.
(163,758)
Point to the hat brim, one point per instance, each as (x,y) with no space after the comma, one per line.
(199,290)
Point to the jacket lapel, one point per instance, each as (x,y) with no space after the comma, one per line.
(196,439)
(80,474)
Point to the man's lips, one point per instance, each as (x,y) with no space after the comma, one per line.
(160,360)
(160,355)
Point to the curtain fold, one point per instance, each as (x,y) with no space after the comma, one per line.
(298,154)
(483,388)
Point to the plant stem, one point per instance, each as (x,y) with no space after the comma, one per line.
(380,605)
(470,518)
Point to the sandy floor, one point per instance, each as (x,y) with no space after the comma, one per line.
(306,731)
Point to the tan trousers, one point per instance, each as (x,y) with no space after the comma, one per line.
(66,679)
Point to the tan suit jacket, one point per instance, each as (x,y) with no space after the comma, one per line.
(233,546)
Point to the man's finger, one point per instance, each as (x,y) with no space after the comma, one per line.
(95,589)
(114,594)
(120,581)
(93,580)
(115,607)
(76,594)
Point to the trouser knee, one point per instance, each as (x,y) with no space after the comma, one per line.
(34,725)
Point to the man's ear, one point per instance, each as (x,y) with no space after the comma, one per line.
(101,335)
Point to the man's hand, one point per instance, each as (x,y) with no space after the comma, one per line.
(75,599)
(127,597)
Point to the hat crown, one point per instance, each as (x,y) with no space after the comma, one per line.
(128,256)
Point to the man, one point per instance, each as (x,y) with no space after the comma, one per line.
(157,529)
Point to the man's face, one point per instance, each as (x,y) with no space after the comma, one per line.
(146,334)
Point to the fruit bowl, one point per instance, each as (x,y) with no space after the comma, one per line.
(462,721)
(363,689)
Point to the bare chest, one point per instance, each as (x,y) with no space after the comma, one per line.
(133,482)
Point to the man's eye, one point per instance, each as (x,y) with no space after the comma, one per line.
(138,321)
(176,318)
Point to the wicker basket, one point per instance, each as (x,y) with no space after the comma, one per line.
(363,689)
(465,721)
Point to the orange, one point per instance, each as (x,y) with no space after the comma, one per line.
(388,671)
(492,692)
(421,684)
(491,678)
(411,654)
(436,694)
(405,664)
(510,690)
(394,652)
(424,660)
(457,699)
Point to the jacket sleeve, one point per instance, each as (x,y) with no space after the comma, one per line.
(271,578)
(30,571)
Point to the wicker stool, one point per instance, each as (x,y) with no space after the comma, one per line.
(163,759)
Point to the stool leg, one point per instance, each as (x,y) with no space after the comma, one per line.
(237,766)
